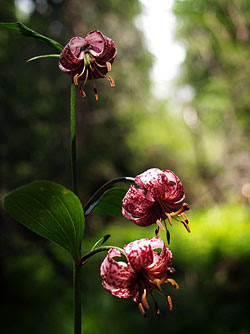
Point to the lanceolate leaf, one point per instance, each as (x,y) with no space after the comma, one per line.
(101,241)
(110,203)
(24,30)
(50,210)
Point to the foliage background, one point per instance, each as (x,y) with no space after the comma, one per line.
(204,138)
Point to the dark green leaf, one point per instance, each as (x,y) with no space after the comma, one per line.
(110,203)
(24,30)
(50,210)
(101,241)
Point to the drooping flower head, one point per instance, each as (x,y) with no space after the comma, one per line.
(88,58)
(145,270)
(159,196)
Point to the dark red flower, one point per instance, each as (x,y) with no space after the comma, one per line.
(88,58)
(145,270)
(160,196)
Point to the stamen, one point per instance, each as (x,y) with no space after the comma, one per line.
(168,236)
(157,232)
(158,222)
(82,92)
(95,92)
(79,75)
(76,79)
(185,217)
(157,310)
(94,85)
(86,78)
(170,304)
(173,214)
(144,299)
(108,64)
(186,226)
(172,282)
(169,218)
(112,81)
(141,309)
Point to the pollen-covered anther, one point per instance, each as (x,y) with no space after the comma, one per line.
(112,81)
(186,225)
(141,309)
(144,299)
(169,218)
(109,67)
(75,79)
(82,92)
(172,282)
(170,304)
(158,282)
(158,222)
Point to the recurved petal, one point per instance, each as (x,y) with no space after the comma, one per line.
(97,42)
(139,254)
(174,190)
(117,275)
(109,53)
(135,202)
(161,260)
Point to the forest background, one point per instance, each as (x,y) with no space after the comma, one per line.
(203,136)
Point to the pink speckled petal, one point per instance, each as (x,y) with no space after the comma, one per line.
(118,277)
(139,254)
(161,261)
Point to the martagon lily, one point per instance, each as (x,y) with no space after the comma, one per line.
(145,270)
(159,196)
(88,58)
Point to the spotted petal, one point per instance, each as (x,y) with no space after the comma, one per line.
(118,277)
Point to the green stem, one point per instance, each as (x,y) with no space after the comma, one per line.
(77,266)
(102,189)
(77,299)
(73,137)
(98,250)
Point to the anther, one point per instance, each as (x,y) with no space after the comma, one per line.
(141,309)
(172,282)
(82,92)
(169,219)
(111,80)
(170,304)
(158,222)
(144,299)
(186,226)
(108,64)
(76,79)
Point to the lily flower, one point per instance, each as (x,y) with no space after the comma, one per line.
(159,197)
(145,270)
(88,58)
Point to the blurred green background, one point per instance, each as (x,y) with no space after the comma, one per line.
(204,139)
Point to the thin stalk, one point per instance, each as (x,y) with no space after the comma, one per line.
(102,189)
(77,266)
(73,137)
(77,300)
(98,250)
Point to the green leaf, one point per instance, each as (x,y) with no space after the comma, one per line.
(50,210)
(110,203)
(24,30)
(101,241)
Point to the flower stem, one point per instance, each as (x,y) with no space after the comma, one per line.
(77,266)
(77,299)
(98,250)
(102,189)
(73,137)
